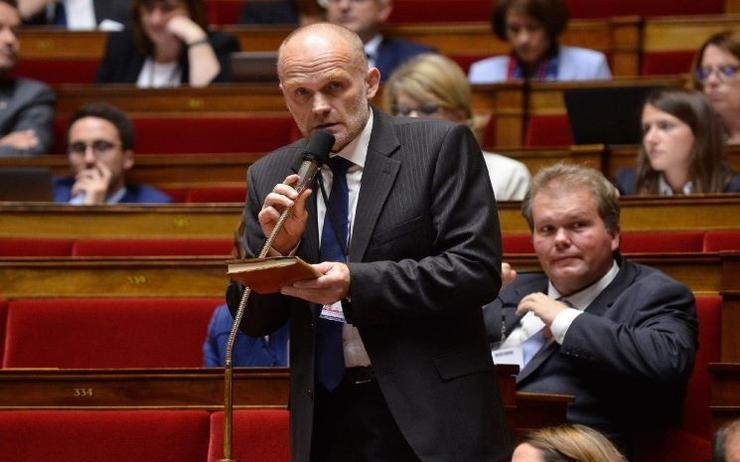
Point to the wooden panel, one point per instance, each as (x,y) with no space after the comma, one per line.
(725,392)
(233,99)
(165,171)
(59,44)
(203,389)
(684,32)
(113,277)
(730,321)
(181,221)
(35,277)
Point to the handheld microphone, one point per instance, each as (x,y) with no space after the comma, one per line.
(316,153)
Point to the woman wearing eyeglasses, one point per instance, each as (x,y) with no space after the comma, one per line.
(169,46)
(716,75)
(682,150)
(433,86)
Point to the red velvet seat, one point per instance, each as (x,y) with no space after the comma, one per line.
(151,247)
(58,71)
(258,435)
(667,62)
(35,247)
(203,134)
(216,194)
(717,241)
(3,320)
(110,436)
(691,441)
(223,12)
(662,242)
(107,333)
(548,130)
(517,243)
(608,8)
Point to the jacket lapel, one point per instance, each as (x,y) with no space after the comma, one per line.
(378,178)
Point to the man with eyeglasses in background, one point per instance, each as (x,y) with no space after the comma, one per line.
(26,106)
(100,149)
(366,18)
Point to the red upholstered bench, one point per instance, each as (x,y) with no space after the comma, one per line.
(548,130)
(150,247)
(111,436)
(667,62)
(259,435)
(691,442)
(202,134)
(35,247)
(107,333)
(216,194)
(717,241)
(3,320)
(58,71)
(632,242)
(223,12)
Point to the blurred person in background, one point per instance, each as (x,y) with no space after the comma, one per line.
(532,28)
(726,443)
(168,46)
(716,75)
(110,15)
(566,443)
(433,86)
(366,18)
(682,150)
(284,12)
(101,150)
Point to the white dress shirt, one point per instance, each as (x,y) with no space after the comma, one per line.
(356,152)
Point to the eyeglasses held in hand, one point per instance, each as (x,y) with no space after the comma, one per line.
(723,72)
(99,147)
(425,109)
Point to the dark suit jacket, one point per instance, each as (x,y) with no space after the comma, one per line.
(626,182)
(424,258)
(115,10)
(122,61)
(626,359)
(26,104)
(135,194)
(272,12)
(392,52)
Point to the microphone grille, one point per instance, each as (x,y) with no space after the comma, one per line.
(319,145)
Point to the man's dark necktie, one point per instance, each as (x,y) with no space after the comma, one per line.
(60,15)
(330,355)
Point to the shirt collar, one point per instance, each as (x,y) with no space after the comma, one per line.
(116,197)
(356,150)
(583,298)
(371,48)
(664,189)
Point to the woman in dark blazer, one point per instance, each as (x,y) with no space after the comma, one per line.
(682,150)
(168,46)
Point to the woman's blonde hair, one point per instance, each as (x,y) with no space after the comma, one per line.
(573,443)
(430,77)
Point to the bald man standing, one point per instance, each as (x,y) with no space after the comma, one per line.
(416,253)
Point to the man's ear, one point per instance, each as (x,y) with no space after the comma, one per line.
(385,10)
(128,159)
(616,239)
(372,79)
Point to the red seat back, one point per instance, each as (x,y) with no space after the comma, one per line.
(717,241)
(35,247)
(667,62)
(58,71)
(548,130)
(3,321)
(111,436)
(662,242)
(217,194)
(107,333)
(150,247)
(259,435)
(223,12)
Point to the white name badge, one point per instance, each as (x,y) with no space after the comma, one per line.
(511,355)
(333,312)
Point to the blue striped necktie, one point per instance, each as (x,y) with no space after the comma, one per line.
(329,352)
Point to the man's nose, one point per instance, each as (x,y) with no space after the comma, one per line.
(89,156)
(320,104)
(562,237)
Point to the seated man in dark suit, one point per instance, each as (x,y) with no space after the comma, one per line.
(26,106)
(100,147)
(618,336)
(111,15)
(365,18)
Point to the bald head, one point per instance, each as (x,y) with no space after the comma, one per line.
(322,38)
